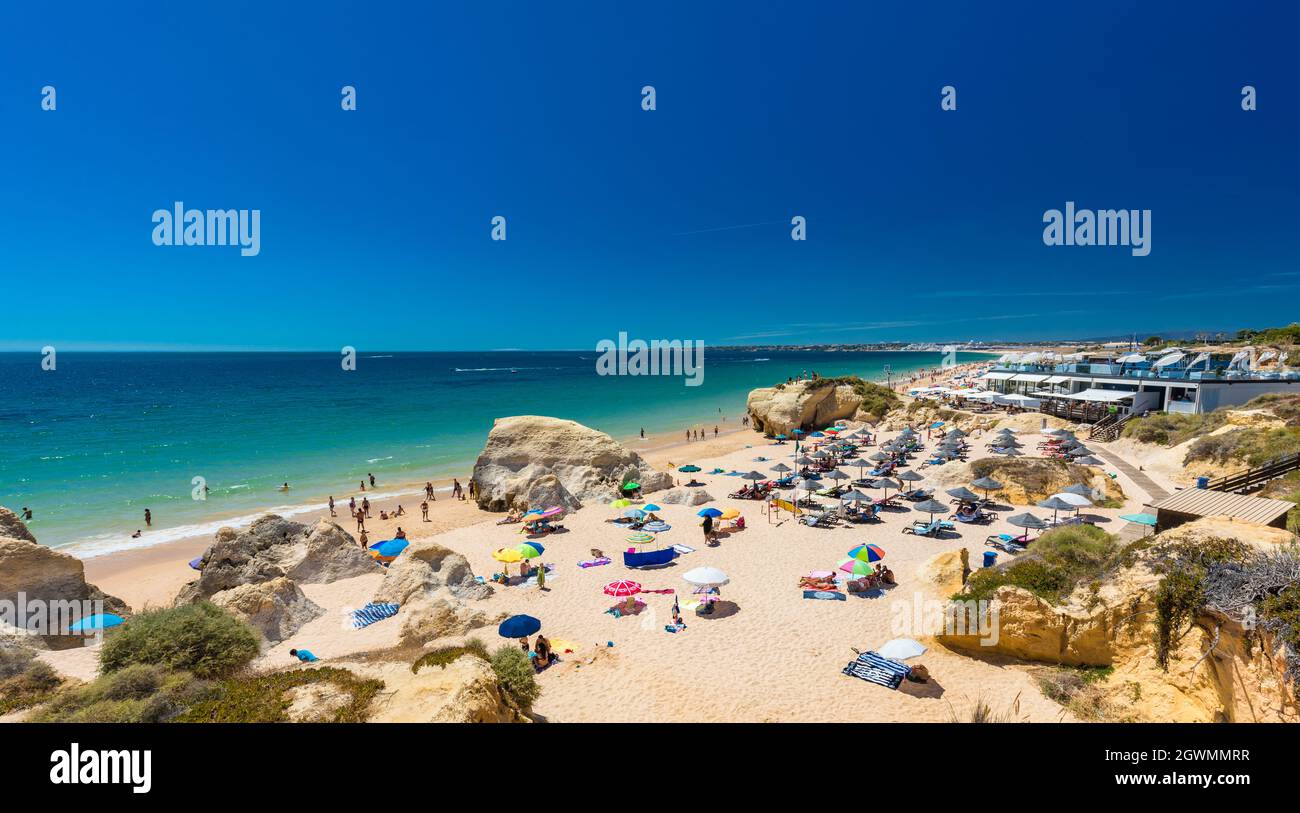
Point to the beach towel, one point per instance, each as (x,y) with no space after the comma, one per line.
(683,549)
(824,595)
(874,669)
(603,560)
(372,612)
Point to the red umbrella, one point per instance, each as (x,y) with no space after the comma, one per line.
(622,588)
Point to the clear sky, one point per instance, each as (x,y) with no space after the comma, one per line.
(375,224)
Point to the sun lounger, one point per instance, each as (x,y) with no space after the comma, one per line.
(1006,542)
(929,528)
(874,669)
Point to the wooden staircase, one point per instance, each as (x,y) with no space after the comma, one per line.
(1109,428)
(1254,479)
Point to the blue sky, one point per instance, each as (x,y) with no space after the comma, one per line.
(922,224)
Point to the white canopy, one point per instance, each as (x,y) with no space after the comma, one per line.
(1030,377)
(1101,396)
(1020,400)
(1172,358)
(1131,358)
(996,376)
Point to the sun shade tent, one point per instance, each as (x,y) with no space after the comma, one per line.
(1194,503)
(910,476)
(706,577)
(1099,396)
(963,493)
(96,623)
(931,507)
(1028,522)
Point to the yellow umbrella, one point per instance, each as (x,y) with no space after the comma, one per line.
(620,503)
(730,513)
(507,555)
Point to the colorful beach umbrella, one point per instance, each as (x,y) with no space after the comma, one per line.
(1140,519)
(507,555)
(657,527)
(631,485)
(530,550)
(856,566)
(640,538)
(730,513)
(519,626)
(688,468)
(708,512)
(867,553)
(622,588)
(623,503)
(386,550)
(96,623)
(650,507)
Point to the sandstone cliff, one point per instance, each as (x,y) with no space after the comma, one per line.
(434,586)
(535,462)
(805,405)
(1218,671)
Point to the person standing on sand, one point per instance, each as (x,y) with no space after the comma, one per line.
(541,576)
(428,490)
(361,520)
(424,509)
(332,514)
(364,540)
(148,519)
(715,430)
(456,489)
(365,506)
(708,529)
(352,506)
(688,436)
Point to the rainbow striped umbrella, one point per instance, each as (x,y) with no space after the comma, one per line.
(640,538)
(530,550)
(867,553)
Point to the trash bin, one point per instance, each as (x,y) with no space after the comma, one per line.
(990,558)
(1202,482)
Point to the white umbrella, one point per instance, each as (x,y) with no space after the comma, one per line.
(706,577)
(901,649)
(1077,500)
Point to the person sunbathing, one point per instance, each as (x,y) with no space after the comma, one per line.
(510,518)
(886,575)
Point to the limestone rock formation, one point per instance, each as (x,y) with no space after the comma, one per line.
(44,574)
(684,496)
(523,454)
(433,584)
(276,608)
(12,526)
(465,691)
(782,409)
(273,547)
(1218,671)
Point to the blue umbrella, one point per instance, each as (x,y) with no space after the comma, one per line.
(633,513)
(93,623)
(708,512)
(519,626)
(389,547)
(651,507)
(656,527)
(197,563)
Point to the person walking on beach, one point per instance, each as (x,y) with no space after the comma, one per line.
(428,490)
(352,506)
(715,430)
(364,540)
(456,490)
(424,509)
(332,514)
(148,519)
(688,436)
(365,506)
(361,520)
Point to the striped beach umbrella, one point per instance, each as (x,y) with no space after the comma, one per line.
(640,538)
(867,553)
(622,588)
(857,567)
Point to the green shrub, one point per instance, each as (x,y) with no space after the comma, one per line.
(198,638)
(1057,562)
(518,679)
(877,399)
(24,680)
(1171,429)
(1253,446)
(445,655)
(265,699)
(134,694)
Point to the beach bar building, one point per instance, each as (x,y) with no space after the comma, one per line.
(1087,387)
(1195,503)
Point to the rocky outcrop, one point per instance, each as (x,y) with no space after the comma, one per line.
(1218,670)
(12,526)
(1027,481)
(433,586)
(684,496)
(274,547)
(464,691)
(784,408)
(43,574)
(275,608)
(529,461)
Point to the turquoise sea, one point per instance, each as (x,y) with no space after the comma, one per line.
(90,445)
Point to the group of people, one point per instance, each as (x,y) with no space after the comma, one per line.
(540,652)
(694,434)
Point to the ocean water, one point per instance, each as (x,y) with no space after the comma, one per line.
(89,446)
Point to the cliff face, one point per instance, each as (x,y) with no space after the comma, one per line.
(1241,679)
(531,461)
(781,410)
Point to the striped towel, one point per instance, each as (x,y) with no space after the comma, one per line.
(874,669)
(372,612)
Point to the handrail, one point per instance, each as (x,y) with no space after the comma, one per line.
(1252,479)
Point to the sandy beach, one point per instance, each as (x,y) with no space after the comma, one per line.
(769,654)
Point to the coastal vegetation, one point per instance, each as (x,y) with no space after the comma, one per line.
(514,671)
(1244,443)
(877,399)
(1059,561)
(448,654)
(24,680)
(138,693)
(267,698)
(198,638)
